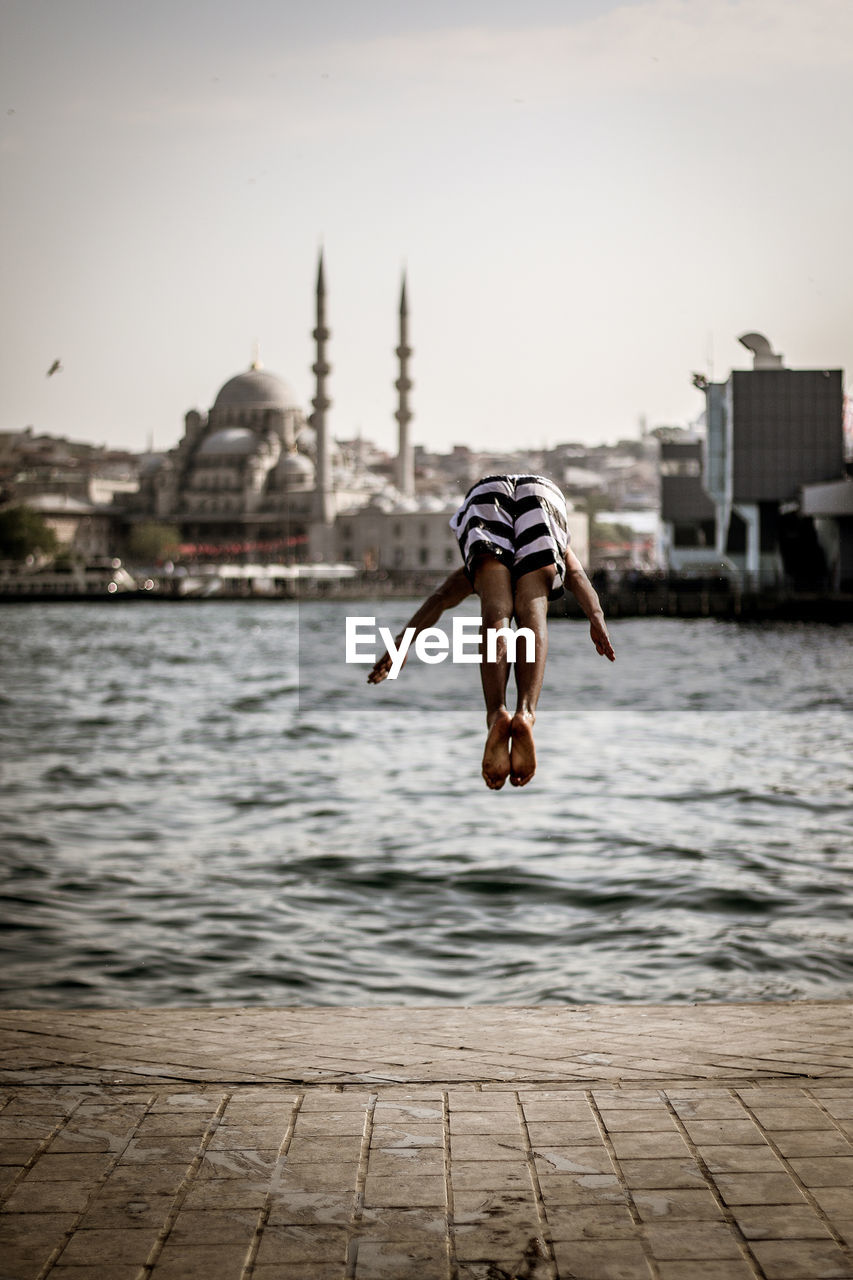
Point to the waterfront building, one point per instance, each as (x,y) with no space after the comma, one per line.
(687,513)
(770,431)
(400,537)
(830,507)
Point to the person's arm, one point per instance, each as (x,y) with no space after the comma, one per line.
(587,597)
(451,592)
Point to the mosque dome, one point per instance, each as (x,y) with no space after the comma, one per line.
(296,470)
(256,389)
(230,442)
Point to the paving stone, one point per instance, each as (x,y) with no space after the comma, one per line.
(294,1271)
(801,1260)
(727,1269)
(475,1206)
(813,1142)
(109,1245)
(825,1171)
(27,1240)
(116,1272)
(407,1160)
(292,1244)
(200,1262)
(556,1110)
(238,1164)
(312,1207)
(530,1268)
(558,1133)
(483,1147)
(70,1168)
(109,1210)
(631,1100)
(476,1242)
(413,1135)
(676,1202)
(704,1241)
(27,1128)
(649,1146)
(17,1151)
(417,1112)
(226,1193)
(585,1222)
(403,1224)
(174,1124)
(638,1121)
(834,1201)
(309,1150)
(391,1260)
(574,1160)
(404,1192)
(732,1159)
(211,1227)
(481,1175)
(716,1107)
(564,1189)
(240,1138)
(722,1132)
(801,1117)
(330,1123)
(156,1179)
(662,1174)
(47,1197)
(160,1149)
(780,1222)
(599,1260)
(757,1188)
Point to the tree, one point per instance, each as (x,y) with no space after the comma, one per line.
(150,542)
(24,533)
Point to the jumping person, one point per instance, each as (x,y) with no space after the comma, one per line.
(513,534)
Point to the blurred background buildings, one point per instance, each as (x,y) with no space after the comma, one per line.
(756,490)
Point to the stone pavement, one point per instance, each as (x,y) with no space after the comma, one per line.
(708,1142)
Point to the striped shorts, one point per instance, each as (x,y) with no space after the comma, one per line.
(520,520)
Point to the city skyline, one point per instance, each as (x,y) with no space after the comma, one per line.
(591,201)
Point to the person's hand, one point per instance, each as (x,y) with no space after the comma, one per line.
(380,669)
(600,638)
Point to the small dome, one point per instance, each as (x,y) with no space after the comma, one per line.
(296,471)
(231,442)
(256,389)
(296,464)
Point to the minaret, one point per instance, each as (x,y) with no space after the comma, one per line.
(405,454)
(323,505)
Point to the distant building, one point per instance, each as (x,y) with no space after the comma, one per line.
(687,513)
(389,535)
(254,479)
(770,431)
(830,507)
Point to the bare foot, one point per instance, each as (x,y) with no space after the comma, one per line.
(496,755)
(523,755)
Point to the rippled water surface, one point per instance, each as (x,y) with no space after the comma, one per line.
(201,803)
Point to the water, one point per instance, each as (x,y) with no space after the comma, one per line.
(202,804)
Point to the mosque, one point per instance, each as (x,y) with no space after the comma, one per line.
(254,478)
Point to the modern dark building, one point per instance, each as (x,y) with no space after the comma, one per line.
(770,431)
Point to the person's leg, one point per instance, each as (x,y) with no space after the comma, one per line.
(531,611)
(493,584)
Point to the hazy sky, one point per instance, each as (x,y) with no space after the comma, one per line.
(592,199)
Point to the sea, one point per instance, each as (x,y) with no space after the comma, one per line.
(203,803)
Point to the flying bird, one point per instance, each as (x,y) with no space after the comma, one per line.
(56,367)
